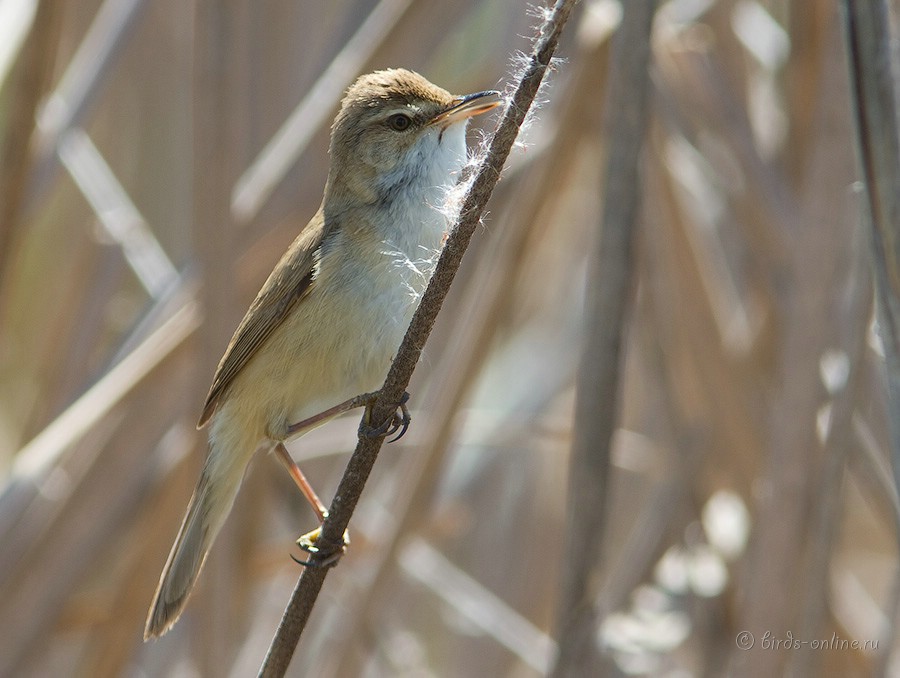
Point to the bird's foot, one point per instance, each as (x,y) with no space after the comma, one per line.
(322,555)
(399,421)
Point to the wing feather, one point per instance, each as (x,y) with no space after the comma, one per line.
(287,285)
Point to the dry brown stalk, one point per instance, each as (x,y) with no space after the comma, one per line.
(351,486)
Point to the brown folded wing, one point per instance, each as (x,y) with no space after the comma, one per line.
(287,285)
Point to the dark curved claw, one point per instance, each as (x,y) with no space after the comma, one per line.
(376,432)
(398,422)
(305,563)
(401,421)
(313,562)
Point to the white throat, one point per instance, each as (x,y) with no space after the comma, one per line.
(416,191)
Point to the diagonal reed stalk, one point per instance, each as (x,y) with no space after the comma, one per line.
(360,465)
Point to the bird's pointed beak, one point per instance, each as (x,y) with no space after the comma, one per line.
(467,106)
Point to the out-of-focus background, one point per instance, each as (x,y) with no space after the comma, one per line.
(156,159)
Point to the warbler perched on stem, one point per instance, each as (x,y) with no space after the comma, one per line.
(326,323)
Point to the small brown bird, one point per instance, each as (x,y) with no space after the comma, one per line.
(326,323)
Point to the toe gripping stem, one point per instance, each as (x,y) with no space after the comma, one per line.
(399,421)
(319,557)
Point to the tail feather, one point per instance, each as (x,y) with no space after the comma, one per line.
(209,507)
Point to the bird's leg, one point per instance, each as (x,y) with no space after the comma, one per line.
(300,480)
(313,421)
(309,541)
(398,422)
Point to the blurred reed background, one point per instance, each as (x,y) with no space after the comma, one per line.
(159,156)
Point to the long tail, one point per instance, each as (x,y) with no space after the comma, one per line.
(209,507)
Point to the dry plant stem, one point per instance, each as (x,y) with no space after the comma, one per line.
(79,88)
(496,288)
(360,465)
(609,283)
(868,39)
(843,322)
(875,109)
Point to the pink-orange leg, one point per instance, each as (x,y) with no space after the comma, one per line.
(297,475)
(399,422)
(316,419)
(309,541)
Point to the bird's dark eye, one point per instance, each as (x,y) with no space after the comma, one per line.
(399,122)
